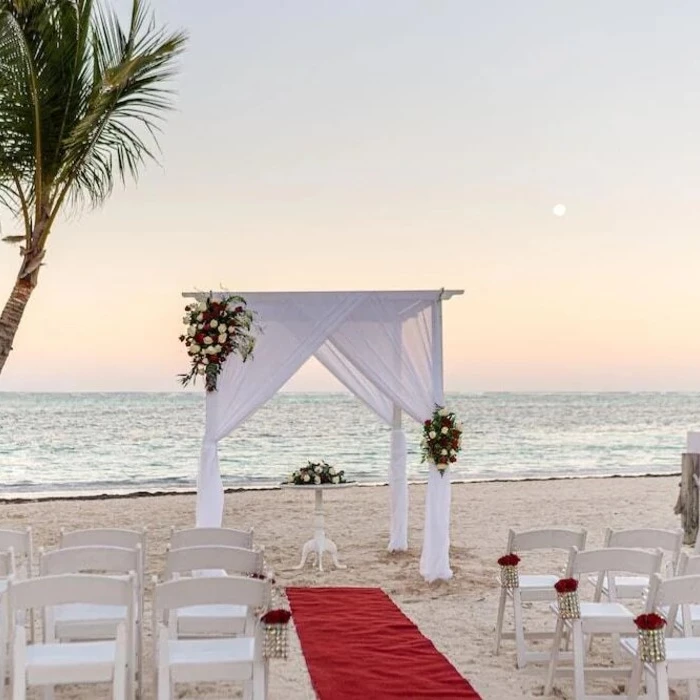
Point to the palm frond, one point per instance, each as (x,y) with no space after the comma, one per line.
(127,102)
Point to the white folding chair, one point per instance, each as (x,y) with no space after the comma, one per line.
(82,622)
(203,620)
(211,536)
(114,537)
(688,565)
(20,541)
(668,541)
(600,618)
(533,587)
(682,653)
(216,659)
(50,664)
(7,573)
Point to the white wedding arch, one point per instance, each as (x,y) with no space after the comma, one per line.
(385,347)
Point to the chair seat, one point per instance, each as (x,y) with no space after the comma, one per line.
(79,620)
(81,662)
(626,586)
(211,619)
(537,581)
(193,660)
(677,648)
(694,614)
(603,617)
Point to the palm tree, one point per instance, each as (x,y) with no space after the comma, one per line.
(82,97)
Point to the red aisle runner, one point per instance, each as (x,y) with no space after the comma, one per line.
(359,646)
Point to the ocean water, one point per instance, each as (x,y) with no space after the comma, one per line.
(127,442)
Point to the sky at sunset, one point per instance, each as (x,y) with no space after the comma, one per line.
(389,144)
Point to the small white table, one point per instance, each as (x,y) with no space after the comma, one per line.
(320,543)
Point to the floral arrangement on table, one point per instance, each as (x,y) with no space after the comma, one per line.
(215,329)
(317,473)
(442,439)
(652,643)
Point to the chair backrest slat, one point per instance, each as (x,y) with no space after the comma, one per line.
(546,539)
(73,560)
(616,560)
(647,538)
(233,560)
(211,536)
(108,537)
(216,590)
(70,588)
(681,590)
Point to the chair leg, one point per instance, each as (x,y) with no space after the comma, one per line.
(122,667)
(635,679)
(661,682)
(19,657)
(579,649)
(163,661)
(499,620)
(260,680)
(554,657)
(520,649)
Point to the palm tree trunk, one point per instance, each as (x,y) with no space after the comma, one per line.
(12,314)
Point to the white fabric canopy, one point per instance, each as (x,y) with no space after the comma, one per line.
(385,347)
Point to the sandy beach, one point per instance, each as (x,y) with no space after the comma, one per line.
(458,616)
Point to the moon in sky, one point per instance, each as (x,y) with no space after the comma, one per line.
(559,210)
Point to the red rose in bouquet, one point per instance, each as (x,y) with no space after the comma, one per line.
(649,621)
(509,560)
(566,585)
(276,617)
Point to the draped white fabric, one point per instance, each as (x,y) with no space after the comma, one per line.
(292,331)
(435,558)
(384,347)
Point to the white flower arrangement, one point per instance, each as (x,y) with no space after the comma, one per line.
(316,474)
(215,329)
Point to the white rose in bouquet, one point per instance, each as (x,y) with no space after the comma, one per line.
(317,479)
(208,340)
(336,479)
(194,349)
(214,323)
(332,471)
(185,319)
(444,430)
(307,477)
(217,349)
(222,338)
(443,412)
(231,329)
(202,306)
(205,360)
(191,331)
(432,434)
(200,317)
(318,470)
(443,453)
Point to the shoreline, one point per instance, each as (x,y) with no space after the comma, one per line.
(146,493)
